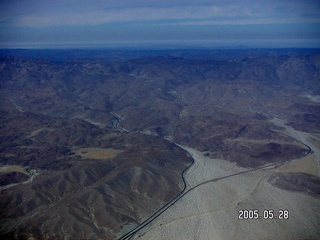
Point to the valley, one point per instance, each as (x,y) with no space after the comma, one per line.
(159,144)
(209,209)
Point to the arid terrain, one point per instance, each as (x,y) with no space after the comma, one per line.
(211,210)
(157,144)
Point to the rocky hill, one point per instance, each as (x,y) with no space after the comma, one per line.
(96,132)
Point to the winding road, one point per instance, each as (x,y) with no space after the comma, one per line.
(187,190)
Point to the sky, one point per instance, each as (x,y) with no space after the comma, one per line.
(193,23)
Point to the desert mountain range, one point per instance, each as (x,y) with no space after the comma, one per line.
(90,139)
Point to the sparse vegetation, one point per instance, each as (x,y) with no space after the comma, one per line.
(96,134)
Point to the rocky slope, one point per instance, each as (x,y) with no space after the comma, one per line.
(97,129)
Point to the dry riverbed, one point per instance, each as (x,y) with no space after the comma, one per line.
(211,211)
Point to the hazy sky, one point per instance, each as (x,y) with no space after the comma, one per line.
(96,23)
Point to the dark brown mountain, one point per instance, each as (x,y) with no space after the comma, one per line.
(93,130)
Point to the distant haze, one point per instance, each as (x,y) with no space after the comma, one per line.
(184,23)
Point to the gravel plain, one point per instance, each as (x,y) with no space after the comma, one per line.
(211,210)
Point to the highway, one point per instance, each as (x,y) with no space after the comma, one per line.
(186,191)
